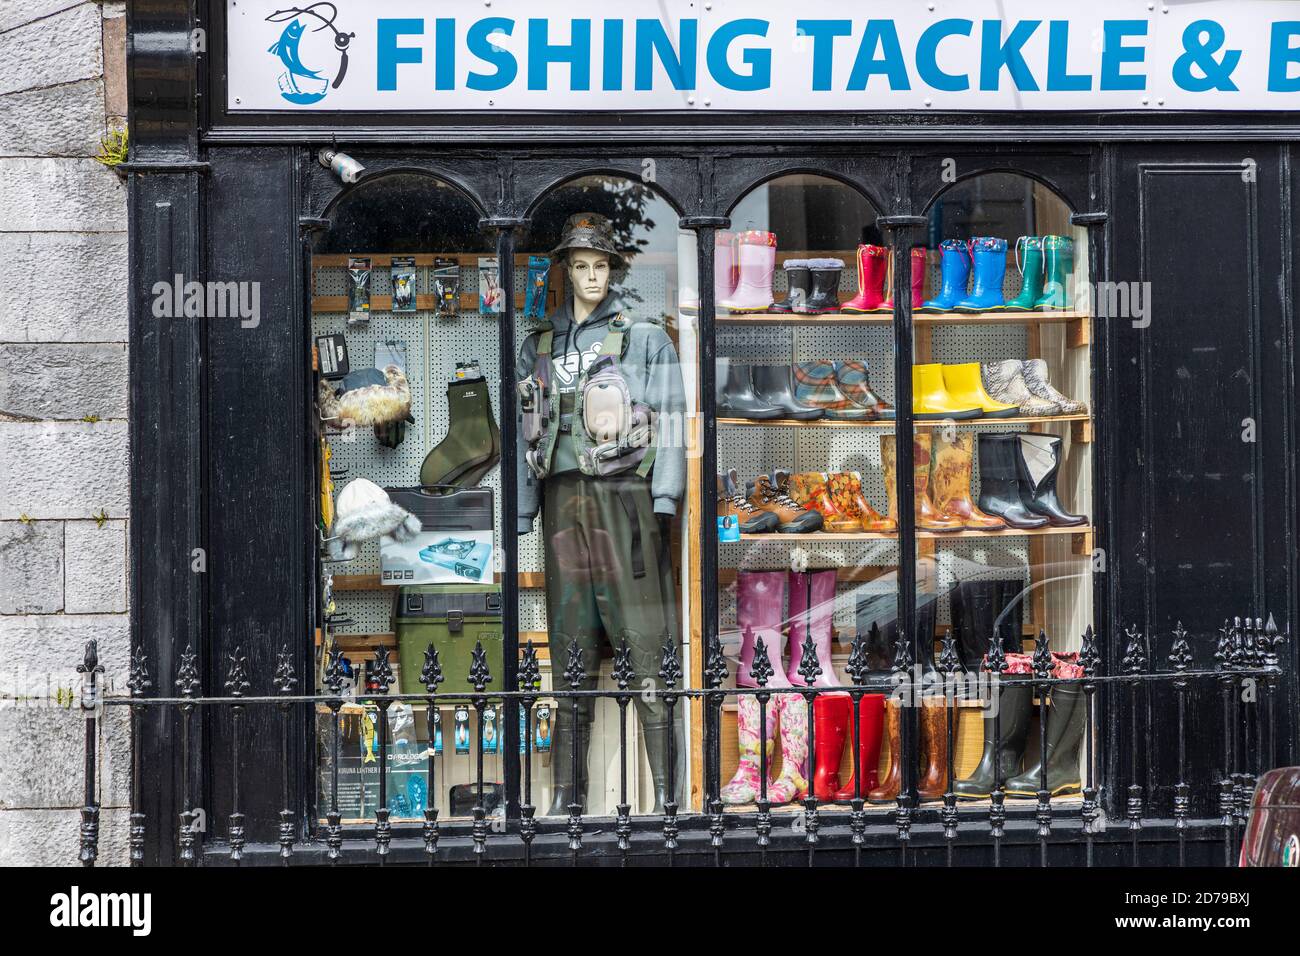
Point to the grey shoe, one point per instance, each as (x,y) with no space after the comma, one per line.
(1035,375)
(1005,381)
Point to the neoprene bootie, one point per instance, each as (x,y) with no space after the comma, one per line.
(931,401)
(916,260)
(760,609)
(1058,258)
(733,503)
(1035,374)
(791,784)
(724,267)
(871,720)
(1039,462)
(734,395)
(832,716)
(965,387)
(773,385)
(812,606)
(796,281)
(755,260)
(1000,491)
(823,287)
(1005,382)
(810,490)
(1015,697)
(954,273)
(933,779)
(989,267)
(815,384)
(854,383)
(851,500)
(928,517)
(1066,718)
(873,264)
(952,461)
(1030,268)
(472,445)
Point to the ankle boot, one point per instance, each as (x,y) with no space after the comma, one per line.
(965,388)
(893,781)
(1000,491)
(873,263)
(931,400)
(733,504)
(734,395)
(756,259)
(1005,381)
(1031,274)
(1014,700)
(796,281)
(1058,257)
(792,784)
(724,267)
(812,612)
(1034,372)
(810,490)
(989,258)
(1066,719)
(688,272)
(1038,463)
(823,286)
(934,749)
(815,384)
(832,716)
(928,517)
(766,494)
(954,269)
(849,498)
(772,385)
(917,262)
(871,717)
(745,786)
(853,381)
(760,608)
(950,474)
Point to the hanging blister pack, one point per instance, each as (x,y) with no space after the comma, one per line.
(358,291)
(403,283)
(437,731)
(542,733)
(491,738)
(539,271)
(446,288)
(490,299)
(460,733)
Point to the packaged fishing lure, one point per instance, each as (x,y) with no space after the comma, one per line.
(542,732)
(461,729)
(437,731)
(539,271)
(446,288)
(490,736)
(490,299)
(358,291)
(403,283)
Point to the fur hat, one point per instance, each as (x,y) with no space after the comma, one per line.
(370,404)
(365,512)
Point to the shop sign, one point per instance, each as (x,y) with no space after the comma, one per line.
(751,55)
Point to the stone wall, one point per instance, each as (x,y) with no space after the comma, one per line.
(63,418)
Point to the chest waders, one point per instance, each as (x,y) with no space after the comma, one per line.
(609,576)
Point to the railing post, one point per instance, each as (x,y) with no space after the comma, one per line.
(236,684)
(1134,664)
(285,682)
(949,666)
(137,683)
(431,676)
(530,682)
(1090,661)
(187,682)
(670,672)
(1180,658)
(715,672)
(479,678)
(90,669)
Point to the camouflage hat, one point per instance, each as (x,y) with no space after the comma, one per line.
(589,230)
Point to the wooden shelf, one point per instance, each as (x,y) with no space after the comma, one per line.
(889,425)
(827,536)
(372,582)
(886,318)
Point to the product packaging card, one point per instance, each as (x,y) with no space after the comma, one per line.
(542,729)
(446,288)
(358,291)
(455,543)
(390,353)
(539,270)
(403,283)
(332,354)
(461,731)
(491,738)
(490,299)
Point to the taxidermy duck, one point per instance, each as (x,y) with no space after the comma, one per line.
(368,398)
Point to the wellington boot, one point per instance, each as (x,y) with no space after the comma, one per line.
(832,717)
(989,267)
(773,385)
(917,261)
(656,751)
(815,384)
(871,718)
(760,610)
(1001,493)
(724,266)
(766,495)
(1005,382)
(1031,274)
(1038,463)
(796,280)
(981,609)
(473,441)
(950,476)
(965,387)
(928,517)
(791,785)
(1014,700)
(1035,374)
(812,607)
(849,498)
(810,489)
(934,749)
(1058,256)
(1066,718)
(746,784)
(756,259)
(823,287)
(931,399)
(855,383)
(954,268)
(893,780)
(563,790)
(873,264)
(734,395)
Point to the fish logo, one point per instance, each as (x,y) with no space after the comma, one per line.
(300,84)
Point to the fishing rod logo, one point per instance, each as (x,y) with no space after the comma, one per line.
(300,84)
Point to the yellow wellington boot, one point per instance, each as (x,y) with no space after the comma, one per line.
(965,387)
(930,399)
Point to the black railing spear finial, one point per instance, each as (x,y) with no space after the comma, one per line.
(623,671)
(383,670)
(670,668)
(715,664)
(284,680)
(479,674)
(809,667)
(530,671)
(137,681)
(857,667)
(761,669)
(334,674)
(236,683)
(431,673)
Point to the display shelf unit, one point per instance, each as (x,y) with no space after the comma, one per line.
(888,425)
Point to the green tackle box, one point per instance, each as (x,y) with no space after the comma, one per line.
(453,617)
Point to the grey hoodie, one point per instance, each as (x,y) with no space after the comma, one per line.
(653,375)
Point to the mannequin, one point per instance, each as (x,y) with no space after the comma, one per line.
(605,540)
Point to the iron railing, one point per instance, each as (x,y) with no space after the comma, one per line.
(1244,680)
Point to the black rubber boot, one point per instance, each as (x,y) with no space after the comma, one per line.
(877,617)
(472,444)
(979,608)
(772,384)
(823,286)
(1038,461)
(562,788)
(1000,491)
(796,276)
(1066,719)
(656,751)
(1014,700)
(734,393)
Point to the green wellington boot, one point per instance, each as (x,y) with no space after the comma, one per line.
(1014,700)
(472,444)
(1031,274)
(1065,724)
(562,782)
(1058,258)
(656,751)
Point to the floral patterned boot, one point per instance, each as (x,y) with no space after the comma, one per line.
(744,785)
(792,784)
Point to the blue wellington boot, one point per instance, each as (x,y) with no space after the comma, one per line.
(989,255)
(954,268)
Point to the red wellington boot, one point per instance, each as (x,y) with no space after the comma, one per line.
(873,263)
(871,722)
(918,282)
(832,714)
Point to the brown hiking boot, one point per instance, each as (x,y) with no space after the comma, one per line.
(733,504)
(766,495)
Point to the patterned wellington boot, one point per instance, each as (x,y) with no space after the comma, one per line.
(1005,381)
(849,498)
(810,490)
(873,263)
(950,474)
(917,261)
(1031,274)
(744,786)
(989,257)
(928,517)
(812,607)
(854,382)
(1035,375)
(791,784)
(954,268)
(815,383)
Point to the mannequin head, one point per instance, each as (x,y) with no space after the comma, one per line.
(589,271)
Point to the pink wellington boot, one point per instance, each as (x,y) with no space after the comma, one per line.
(822,585)
(873,264)
(793,782)
(756,260)
(745,785)
(760,606)
(724,266)
(918,283)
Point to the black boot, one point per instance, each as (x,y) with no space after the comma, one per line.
(796,277)
(1066,719)
(562,788)
(1000,492)
(980,608)
(1014,700)
(734,395)
(1038,461)
(823,286)
(877,617)
(656,751)
(772,384)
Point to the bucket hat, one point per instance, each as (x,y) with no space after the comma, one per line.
(589,230)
